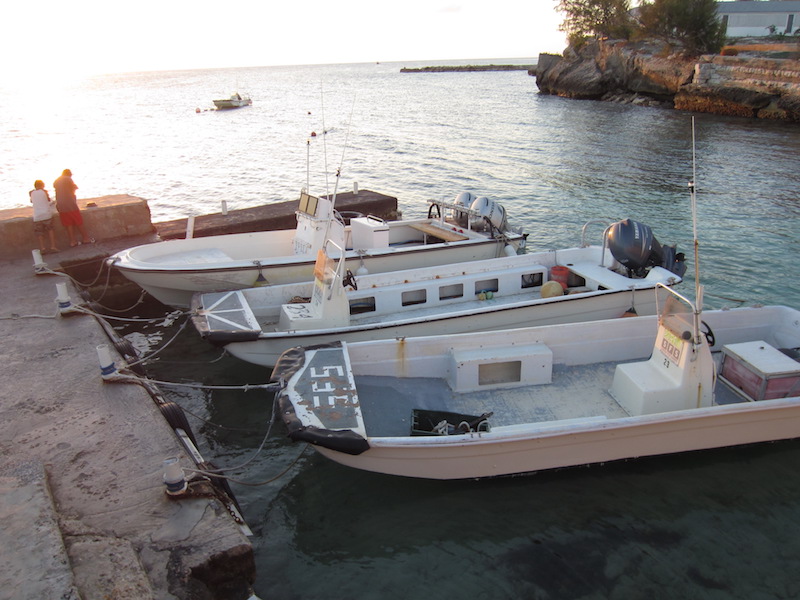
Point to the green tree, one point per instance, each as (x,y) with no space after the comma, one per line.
(595,18)
(692,22)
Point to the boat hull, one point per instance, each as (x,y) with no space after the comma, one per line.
(484,455)
(175,284)
(591,306)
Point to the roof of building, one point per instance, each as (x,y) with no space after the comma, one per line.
(754,6)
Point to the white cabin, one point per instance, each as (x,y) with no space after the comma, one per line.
(751,18)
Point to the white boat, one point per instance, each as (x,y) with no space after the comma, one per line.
(525,400)
(173,270)
(258,324)
(236,100)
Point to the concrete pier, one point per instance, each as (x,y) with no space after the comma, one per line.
(83,508)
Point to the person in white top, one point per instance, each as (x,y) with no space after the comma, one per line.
(43,210)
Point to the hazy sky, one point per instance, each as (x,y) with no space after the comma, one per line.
(52,38)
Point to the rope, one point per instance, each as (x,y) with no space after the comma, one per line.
(210,472)
(270,480)
(14,317)
(219,473)
(216,425)
(272,387)
(121,310)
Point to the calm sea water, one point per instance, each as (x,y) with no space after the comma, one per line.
(720,524)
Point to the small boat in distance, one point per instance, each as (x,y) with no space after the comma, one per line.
(524,400)
(556,286)
(235,101)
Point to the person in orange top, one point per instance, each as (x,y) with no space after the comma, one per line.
(68,211)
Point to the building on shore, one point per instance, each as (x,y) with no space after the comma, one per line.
(749,18)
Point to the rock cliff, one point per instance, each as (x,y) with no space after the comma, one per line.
(651,72)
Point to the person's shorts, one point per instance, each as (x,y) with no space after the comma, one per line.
(43,226)
(71,218)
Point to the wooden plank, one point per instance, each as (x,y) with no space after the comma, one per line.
(443,234)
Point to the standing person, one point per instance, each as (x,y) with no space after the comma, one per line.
(43,211)
(68,211)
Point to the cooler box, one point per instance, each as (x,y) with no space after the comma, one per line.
(369,232)
(760,371)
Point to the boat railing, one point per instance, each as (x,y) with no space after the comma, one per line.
(605,236)
(464,210)
(338,272)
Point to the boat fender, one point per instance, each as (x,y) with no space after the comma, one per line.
(345,440)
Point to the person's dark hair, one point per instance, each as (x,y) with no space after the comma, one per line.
(67,172)
(38,184)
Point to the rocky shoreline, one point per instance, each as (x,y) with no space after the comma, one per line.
(651,73)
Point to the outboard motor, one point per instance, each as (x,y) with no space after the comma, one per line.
(464,199)
(490,211)
(635,247)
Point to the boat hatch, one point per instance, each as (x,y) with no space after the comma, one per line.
(228,315)
(759,371)
(509,366)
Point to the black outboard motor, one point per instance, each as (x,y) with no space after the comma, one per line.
(635,247)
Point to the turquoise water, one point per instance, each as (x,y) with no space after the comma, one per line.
(719,524)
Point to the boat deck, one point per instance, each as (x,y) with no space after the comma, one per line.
(579,392)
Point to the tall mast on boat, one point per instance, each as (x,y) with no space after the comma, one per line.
(339,169)
(698,291)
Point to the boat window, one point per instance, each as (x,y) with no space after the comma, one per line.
(308,204)
(487,285)
(530,280)
(362,305)
(414,297)
(446,292)
(500,372)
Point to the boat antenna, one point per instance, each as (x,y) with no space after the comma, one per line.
(698,290)
(324,136)
(339,170)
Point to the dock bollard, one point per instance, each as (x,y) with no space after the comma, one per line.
(107,367)
(63,300)
(190,227)
(224,207)
(39,266)
(174,479)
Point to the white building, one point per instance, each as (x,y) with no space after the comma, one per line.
(754,18)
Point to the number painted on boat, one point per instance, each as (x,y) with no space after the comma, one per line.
(331,400)
(329,379)
(671,346)
(327,371)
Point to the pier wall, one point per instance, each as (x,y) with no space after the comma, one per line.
(105,218)
(120,216)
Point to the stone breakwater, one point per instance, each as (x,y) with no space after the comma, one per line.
(647,73)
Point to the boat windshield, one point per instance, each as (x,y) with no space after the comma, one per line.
(678,315)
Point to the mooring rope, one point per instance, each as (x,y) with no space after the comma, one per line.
(246,387)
